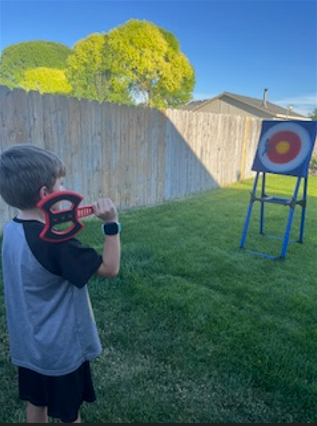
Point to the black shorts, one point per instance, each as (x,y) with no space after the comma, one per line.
(62,395)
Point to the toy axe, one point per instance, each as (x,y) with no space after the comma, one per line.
(56,217)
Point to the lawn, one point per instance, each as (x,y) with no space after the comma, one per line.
(194,329)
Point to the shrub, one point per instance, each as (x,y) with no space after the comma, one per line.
(313,165)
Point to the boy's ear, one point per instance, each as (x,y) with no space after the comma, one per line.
(43,192)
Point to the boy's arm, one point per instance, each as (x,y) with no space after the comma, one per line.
(111,255)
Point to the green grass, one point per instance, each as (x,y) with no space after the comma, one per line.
(195,329)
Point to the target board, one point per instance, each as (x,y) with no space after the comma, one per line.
(285,147)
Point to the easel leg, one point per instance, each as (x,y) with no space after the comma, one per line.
(290,219)
(303,205)
(247,220)
(262,205)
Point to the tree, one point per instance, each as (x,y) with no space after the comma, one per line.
(89,76)
(18,58)
(313,115)
(137,62)
(148,59)
(46,80)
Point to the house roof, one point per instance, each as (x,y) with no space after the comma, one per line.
(270,108)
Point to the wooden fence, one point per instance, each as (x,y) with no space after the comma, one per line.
(137,156)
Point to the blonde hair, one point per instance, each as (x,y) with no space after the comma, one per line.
(24,170)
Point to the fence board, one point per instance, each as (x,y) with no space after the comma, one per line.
(35,117)
(123,161)
(106,152)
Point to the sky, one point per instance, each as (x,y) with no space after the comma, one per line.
(237,46)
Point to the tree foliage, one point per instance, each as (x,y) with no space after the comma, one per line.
(89,76)
(46,80)
(18,58)
(149,60)
(313,115)
(137,62)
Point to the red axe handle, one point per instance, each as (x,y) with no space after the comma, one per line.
(55,217)
(84,211)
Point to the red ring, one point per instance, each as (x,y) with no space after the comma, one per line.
(294,142)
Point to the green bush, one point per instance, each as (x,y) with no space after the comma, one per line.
(313,164)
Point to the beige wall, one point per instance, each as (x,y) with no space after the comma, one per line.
(227,105)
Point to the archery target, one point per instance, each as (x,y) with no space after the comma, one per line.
(283,147)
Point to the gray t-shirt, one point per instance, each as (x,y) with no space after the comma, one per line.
(51,325)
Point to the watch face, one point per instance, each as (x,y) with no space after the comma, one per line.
(111,228)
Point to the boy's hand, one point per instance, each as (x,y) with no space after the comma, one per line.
(105,210)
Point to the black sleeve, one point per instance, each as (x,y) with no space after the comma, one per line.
(70,259)
(76,262)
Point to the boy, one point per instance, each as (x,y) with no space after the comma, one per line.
(52,332)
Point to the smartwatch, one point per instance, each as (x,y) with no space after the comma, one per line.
(111,228)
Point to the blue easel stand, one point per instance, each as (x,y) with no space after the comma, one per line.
(285,148)
(291,203)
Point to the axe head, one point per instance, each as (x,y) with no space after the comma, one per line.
(56,217)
